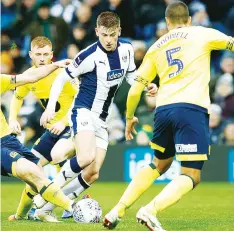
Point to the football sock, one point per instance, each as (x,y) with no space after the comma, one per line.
(25,202)
(170,194)
(140,183)
(59,166)
(68,172)
(52,193)
(80,185)
(73,189)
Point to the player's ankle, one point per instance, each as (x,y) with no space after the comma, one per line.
(151,209)
(121,209)
(17,217)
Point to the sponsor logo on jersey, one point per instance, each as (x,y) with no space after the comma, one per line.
(186,148)
(115,74)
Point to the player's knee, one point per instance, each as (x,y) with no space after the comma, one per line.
(162,165)
(85,161)
(194,174)
(95,177)
(57,157)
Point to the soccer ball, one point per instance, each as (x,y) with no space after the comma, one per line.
(87,211)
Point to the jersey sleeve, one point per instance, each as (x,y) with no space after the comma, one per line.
(8,82)
(81,64)
(131,71)
(21,92)
(147,71)
(218,40)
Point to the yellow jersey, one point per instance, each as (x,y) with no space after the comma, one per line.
(6,84)
(181,58)
(41,90)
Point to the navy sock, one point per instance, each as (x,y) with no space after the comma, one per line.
(82,182)
(75,167)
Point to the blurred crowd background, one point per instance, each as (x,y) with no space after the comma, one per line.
(70,24)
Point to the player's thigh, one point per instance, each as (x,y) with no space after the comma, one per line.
(63,149)
(8,161)
(162,141)
(84,134)
(191,135)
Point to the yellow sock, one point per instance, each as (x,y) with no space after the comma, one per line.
(53,193)
(25,202)
(140,183)
(170,194)
(58,168)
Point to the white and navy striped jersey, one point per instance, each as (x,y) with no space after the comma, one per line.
(101,73)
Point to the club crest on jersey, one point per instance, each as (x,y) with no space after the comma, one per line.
(125,58)
(115,74)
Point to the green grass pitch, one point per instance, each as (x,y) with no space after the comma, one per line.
(210,207)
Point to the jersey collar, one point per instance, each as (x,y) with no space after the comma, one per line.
(104,50)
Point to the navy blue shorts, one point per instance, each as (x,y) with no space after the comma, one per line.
(11,151)
(183,130)
(46,142)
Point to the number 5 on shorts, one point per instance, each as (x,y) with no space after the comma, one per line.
(172,62)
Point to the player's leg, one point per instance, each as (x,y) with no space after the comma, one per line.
(91,173)
(87,177)
(42,145)
(28,171)
(63,149)
(8,161)
(174,191)
(163,144)
(33,175)
(192,148)
(85,143)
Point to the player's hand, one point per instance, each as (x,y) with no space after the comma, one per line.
(152,89)
(63,63)
(46,117)
(15,127)
(130,128)
(57,128)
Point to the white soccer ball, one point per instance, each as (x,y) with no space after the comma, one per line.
(87,211)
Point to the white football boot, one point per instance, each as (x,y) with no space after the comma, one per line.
(48,216)
(149,220)
(111,219)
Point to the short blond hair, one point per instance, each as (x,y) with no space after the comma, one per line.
(108,19)
(41,42)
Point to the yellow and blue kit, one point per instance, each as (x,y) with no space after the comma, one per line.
(41,90)
(181,58)
(11,148)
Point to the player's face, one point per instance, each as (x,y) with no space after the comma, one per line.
(41,56)
(108,37)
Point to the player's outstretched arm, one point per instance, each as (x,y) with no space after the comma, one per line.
(35,74)
(54,95)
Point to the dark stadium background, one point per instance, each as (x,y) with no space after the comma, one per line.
(70,24)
